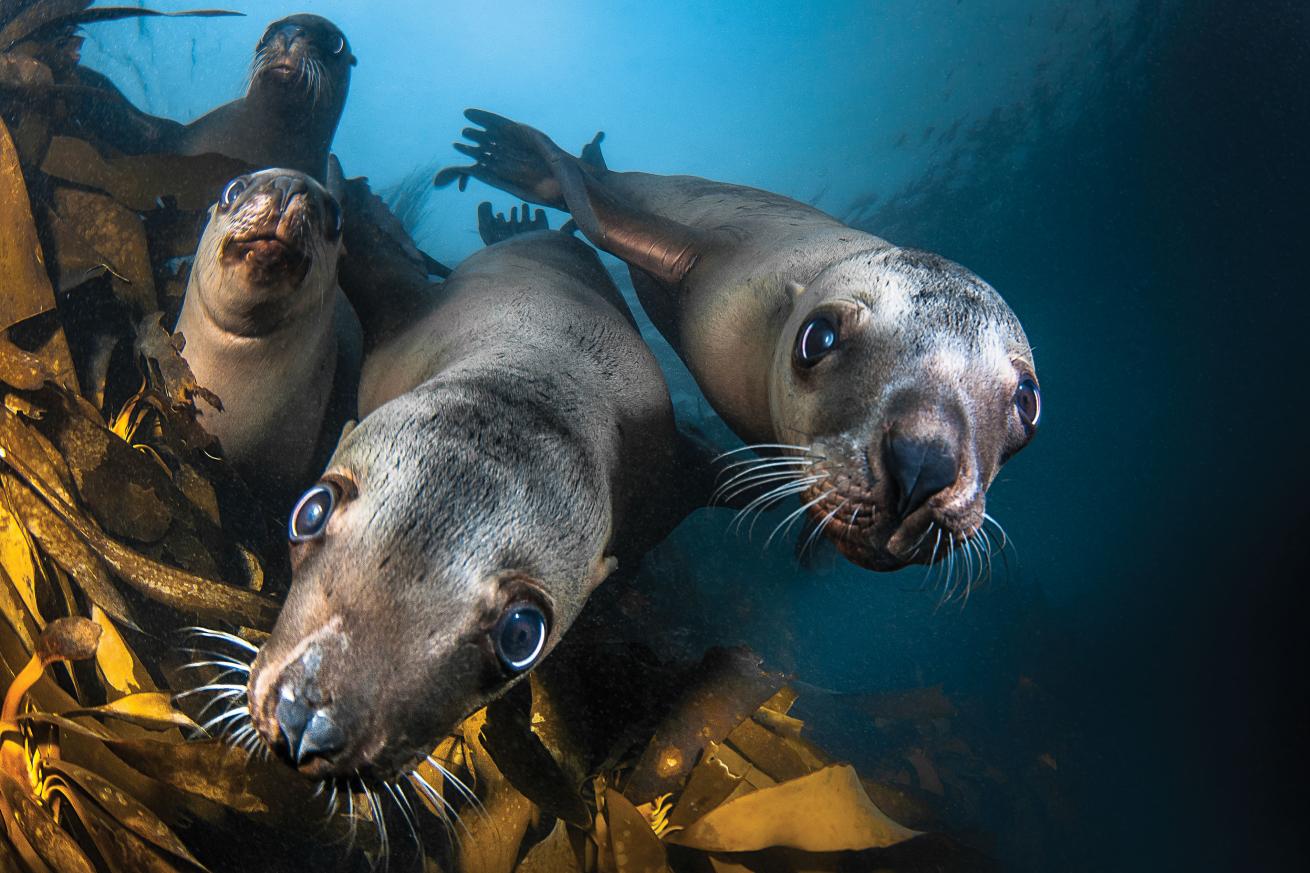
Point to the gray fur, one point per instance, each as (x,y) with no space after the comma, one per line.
(268,346)
(730,275)
(517,433)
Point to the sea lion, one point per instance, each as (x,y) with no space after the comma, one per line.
(289,114)
(892,382)
(518,441)
(269,332)
(299,80)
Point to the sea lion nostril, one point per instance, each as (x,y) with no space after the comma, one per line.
(292,714)
(920,467)
(307,727)
(322,738)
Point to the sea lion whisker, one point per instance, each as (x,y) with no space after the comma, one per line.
(463,789)
(331,800)
(932,558)
(1005,537)
(772,459)
(756,509)
(444,810)
(950,571)
(793,515)
(407,815)
(818,529)
(758,465)
(799,488)
(225,716)
(739,488)
(215,686)
(794,486)
(231,666)
(378,814)
(806,450)
(219,698)
(351,819)
(211,633)
(742,481)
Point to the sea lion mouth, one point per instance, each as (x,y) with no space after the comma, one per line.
(268,257)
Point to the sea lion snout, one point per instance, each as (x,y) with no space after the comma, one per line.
(922,451)
(300,704)
(297,50)
(273,224)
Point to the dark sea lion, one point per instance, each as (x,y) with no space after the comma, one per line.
(518,441)
(289,114)
(269,332)
(893,382)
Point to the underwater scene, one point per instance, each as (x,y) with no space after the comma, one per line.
(614,437)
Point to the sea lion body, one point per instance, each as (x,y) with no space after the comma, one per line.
(519,438)
(289,114)
(268,331)
(888,385)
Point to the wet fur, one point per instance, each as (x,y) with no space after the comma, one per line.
(271,352)
(730,274)
(517,433)
(279,123)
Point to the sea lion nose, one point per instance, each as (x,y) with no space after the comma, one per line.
(921,467)
(305,720)
(288,187)
(289,32)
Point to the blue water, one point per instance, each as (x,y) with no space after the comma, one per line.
(1127,174)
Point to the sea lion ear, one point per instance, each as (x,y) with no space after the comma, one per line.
(794,290)
(335,183)
(601,568)
(345,432)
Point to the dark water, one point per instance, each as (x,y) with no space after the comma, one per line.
(1130,176)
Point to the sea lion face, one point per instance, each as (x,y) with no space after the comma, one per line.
(417,594)
(302,59)
(269,251)
(910,382)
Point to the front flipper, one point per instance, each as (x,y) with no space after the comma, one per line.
(497,228)
(524,162)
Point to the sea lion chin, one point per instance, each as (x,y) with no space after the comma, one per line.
(884,386)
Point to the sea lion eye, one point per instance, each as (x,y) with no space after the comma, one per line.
(232,192)
(1028,401)
(332,218)
(519,636)
(310,517)
(817,338)
(337,43)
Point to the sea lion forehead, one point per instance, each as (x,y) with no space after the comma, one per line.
(926,293)
(316,24)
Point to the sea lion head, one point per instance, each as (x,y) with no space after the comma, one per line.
(269,251)
(303,62)
(439,558)
(908,382)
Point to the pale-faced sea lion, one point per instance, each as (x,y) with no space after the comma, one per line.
(289,113)
(893,383)
(518,439)
(269,332)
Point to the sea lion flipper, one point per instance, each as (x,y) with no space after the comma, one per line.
(591,154)
(494,228)
(508,156)
(523,161)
